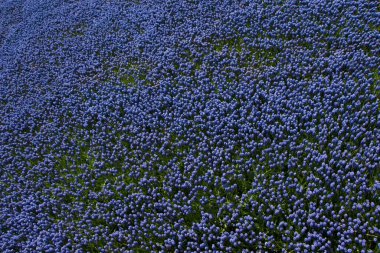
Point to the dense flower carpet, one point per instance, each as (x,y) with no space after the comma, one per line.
(189,126)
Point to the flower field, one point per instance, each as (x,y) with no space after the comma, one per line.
(189,126)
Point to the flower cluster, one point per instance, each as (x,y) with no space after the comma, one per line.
(189,126)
